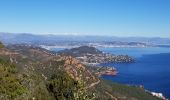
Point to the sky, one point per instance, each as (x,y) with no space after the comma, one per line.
(124,18)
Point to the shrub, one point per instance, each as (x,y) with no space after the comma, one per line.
(10,86)
(1,45)
(63,87)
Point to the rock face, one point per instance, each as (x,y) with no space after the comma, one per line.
(106,71)
(77,70)
(159,95)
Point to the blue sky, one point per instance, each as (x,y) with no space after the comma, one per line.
(148,18)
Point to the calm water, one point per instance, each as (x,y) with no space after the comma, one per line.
(151,69)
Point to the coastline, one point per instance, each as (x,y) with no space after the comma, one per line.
(96,46)
(110,71)
(158,95)
(150,92)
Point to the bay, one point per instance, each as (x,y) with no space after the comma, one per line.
(151,68)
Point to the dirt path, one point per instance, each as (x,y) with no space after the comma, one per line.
(93,84)
(111,96)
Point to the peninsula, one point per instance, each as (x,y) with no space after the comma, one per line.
(91,55)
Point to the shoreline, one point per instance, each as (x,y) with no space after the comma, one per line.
(110,72)
(159,95)
(156,94)
(103,46)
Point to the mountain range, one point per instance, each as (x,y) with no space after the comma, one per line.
(14,38)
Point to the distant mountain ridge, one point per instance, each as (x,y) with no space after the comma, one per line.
(49,39)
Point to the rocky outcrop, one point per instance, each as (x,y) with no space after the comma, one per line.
(109,71)
(77,70)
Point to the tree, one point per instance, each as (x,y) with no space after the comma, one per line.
(63,87)
(1,45)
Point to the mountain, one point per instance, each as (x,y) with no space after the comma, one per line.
(35,73)
(14,38)
(29,72)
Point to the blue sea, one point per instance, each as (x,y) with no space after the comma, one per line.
(151,68)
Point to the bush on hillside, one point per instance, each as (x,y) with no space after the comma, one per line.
(1,45)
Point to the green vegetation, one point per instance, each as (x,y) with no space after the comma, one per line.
(63,87)
(121,92)
(1,45)
(21,85)
(10,85)
(38,76)
(80,51)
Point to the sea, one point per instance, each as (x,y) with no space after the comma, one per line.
(151,68)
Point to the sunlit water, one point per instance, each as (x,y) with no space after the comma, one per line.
(151,68)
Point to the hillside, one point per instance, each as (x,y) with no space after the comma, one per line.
(80,51)
(91,55)
(28,72)
(1,45)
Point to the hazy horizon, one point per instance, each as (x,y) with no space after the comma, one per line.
(92,35)
(124,18)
